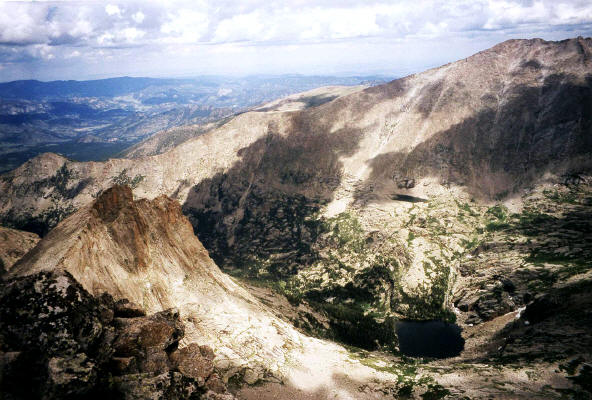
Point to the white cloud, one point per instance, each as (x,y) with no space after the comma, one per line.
(138,17)
(237,28)
(185,26)
(106,39)
(42,51)
(257,21)
(123,37)
(242,27)
(21,24)
(82,27)
(132,34)
(73,54)
(113,9)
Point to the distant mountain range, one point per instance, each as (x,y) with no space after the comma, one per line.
(96,119)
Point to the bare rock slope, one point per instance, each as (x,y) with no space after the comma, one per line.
(512,113)
(145,251)
(164,141)
(13,245)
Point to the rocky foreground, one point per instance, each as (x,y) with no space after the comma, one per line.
(60,342)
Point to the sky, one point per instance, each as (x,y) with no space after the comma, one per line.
(50,40)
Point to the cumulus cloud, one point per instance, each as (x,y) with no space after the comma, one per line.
(184,26)
(113,9)
(19,25)
(178,26)
(138,17)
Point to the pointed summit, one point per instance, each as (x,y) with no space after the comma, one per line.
(112,201)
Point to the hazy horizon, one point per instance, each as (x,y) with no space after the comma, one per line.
(212,76)
(101,39)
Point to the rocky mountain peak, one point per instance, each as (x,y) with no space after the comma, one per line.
(112,201)
(146,251)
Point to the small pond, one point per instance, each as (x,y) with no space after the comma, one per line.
(434,339)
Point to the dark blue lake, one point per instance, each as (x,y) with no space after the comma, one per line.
(434,339)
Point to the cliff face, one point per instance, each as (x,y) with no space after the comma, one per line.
(145,251)
(116,241)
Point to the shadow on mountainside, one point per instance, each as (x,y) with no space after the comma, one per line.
(260,217)
(506,146)
(554,329)
(308,101)
(543,247)
(262,208)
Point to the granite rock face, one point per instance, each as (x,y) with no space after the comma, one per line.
(144,254)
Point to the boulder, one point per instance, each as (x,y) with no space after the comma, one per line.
(191,361)
(70,376)
(166,386)
(160,331)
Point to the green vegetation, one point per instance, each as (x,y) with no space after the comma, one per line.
(499,221)
(570,197)
(407,373)
(498,211)
(40,224)
(356,284)
(344,233)
(532,223)
(124,179)
(495,226)
(466,207)
(352,280)
(410,238)
(470,245)
(568,266)
(435,392)
(540,257)
(61,178)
